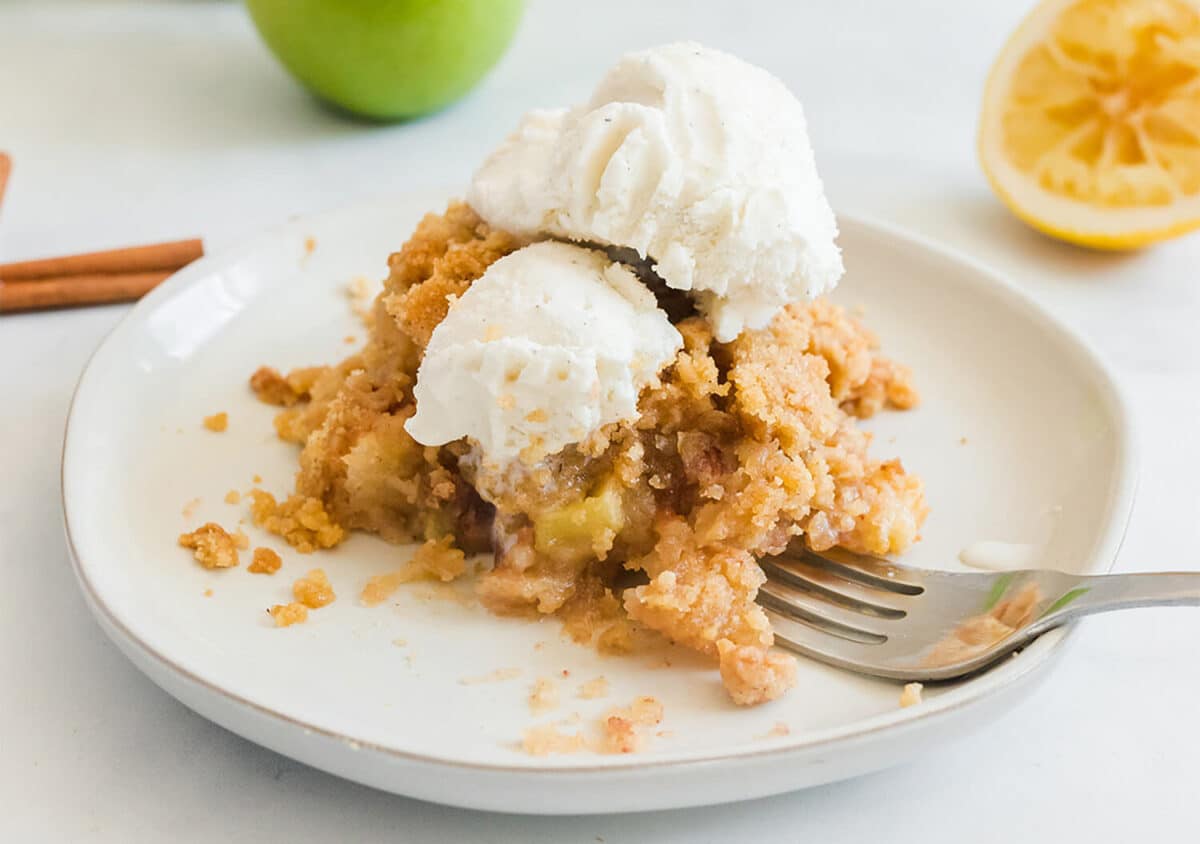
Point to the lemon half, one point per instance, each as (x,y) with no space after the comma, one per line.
(1091,121)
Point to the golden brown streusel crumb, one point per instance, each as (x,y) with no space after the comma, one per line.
(594,688)
(314,590)
(257,479)
(212,546)
(911,695)
(233,497)
(438,559)
(546,739)
(286,615)
(443,257)
(272,388)
(310,245)
(349,339)
(208,593)
(379,588)
(218,422)
(265,561)
(754,675)
(544,695)
(189,508)
(241,540)
(300,520)
(500,675)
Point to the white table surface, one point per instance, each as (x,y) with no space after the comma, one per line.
(138,122)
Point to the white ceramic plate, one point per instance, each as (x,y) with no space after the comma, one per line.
(1046,460)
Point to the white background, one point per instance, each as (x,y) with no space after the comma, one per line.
(139,122)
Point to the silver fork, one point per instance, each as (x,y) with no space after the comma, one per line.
(876,617)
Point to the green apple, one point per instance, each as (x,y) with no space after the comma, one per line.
(387,59)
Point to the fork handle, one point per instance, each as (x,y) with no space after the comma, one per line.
(1102,593)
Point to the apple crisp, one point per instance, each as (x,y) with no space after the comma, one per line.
(647,527)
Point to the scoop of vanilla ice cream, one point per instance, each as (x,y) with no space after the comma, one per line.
(550,343)
(694,158)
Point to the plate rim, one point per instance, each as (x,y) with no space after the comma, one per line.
(1035,657)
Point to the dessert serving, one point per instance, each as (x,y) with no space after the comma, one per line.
(609,368)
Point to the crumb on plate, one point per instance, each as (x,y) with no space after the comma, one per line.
(265,561)
(218,422)
(301,521)
(286,615)
(212,546)
(314,590)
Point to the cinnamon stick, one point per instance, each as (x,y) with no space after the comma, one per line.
(5,169)
(134,259)
(73,291)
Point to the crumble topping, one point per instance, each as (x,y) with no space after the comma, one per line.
(301,521)
(264,561)
(213,546)
(314,590)
(233,497)
(273,388)
(217,423)
(754,675)
(286,615)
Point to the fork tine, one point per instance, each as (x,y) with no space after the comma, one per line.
(869,571)
(848,593)
(818,644)
(815,611)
